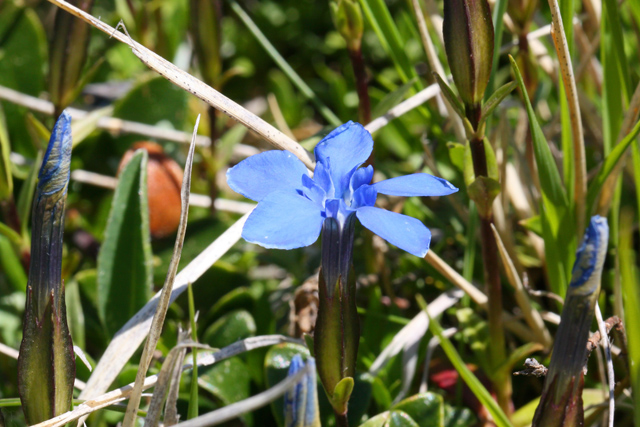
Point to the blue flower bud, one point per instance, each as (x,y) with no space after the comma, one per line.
(46,365)
(301,401)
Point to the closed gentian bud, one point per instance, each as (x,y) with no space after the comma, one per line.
(468,41)
(561,400)
(347,17)
(46,365)
(301,401)
(67,55)
(164,181)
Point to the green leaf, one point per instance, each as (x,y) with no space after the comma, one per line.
(391,99)
(550,182)
(494,100)
(401,419)
(153,100)
(557,222)
(228,380)
(240,297)
(456,154)
(341,394)
(475,333)
(125,258)
(450,95)
(10,234)
(631,299)
(379,420)
(426,409)
(459,417)
(11,267)
(24,53)
(609,164)
(533,224)
(615,28)
(469,378)
(75,314)
(230,328)
(391,419)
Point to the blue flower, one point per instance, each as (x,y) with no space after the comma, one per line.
(292,205)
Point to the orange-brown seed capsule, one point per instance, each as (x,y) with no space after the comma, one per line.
(164,180)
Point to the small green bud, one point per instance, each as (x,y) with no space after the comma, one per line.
(68,54)
(347,17)
(468,41)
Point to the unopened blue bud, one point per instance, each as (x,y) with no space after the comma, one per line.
(301,401)
(591,252)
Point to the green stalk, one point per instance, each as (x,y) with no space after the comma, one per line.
(192,411)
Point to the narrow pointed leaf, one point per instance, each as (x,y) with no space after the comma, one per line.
(495,99)
(124,262)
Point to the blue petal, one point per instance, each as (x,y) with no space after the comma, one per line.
(313,191)
(284,220)
(348,146)
(403,231)
(322,177)
(262,174)
(361,177)
(365,195)
(417,184)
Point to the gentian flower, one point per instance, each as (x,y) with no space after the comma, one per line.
(301,401)
(292,205)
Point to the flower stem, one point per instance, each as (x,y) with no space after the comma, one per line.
(341,420)
(502,383)
(357,62)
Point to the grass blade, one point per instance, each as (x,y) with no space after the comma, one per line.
(631,293)
(558,227)
(284,65)
(382,23)
(469,378)
(609,164)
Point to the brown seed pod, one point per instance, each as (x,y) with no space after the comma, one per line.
(164,180)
